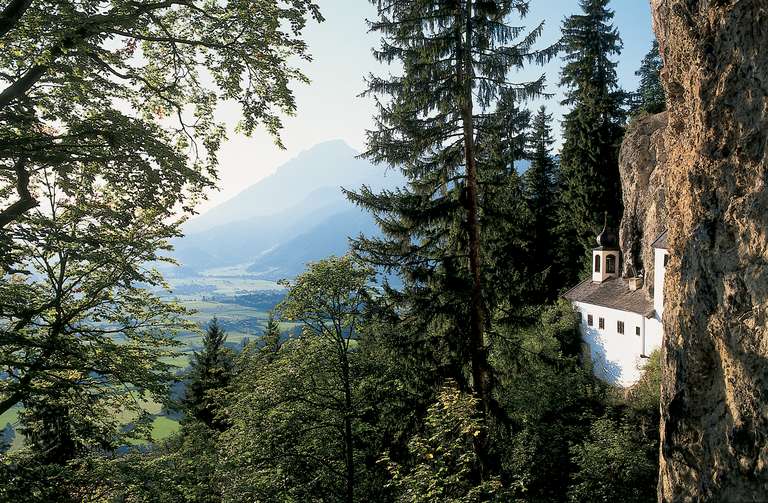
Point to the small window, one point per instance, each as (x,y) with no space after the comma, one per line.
(590,321)
(620,327)
(597,263)
(666,259)
(581,318)
(610,264)
(601,323)
(637,330)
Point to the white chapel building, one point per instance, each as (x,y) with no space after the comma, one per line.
(618,321)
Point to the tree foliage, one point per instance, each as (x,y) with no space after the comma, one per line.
(74,316)
(302,398)
(444,466)
(456,59)
(550,401)
(271,338)
(107,140)
(70,67)
(107,137)
(210,372)
(612,466)
(541,182)
(592,131)
(649,97)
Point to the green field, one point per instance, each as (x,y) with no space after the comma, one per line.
(12,416)
(9,416)
(192,288)
(181,361)
(225,312)
(163,427)
(218,299)
(238,321)
(147,404)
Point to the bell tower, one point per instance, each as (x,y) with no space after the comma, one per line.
(605,257)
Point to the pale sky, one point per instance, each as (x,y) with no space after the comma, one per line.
(329,108)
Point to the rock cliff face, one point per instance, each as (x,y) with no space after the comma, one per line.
(641,163)
(715,382)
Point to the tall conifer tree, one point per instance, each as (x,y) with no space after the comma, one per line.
(456,57)
(271,337)
(211,370)
(650,97)
(502,142)
(541,180)
(593,130)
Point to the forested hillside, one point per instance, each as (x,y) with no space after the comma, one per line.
(381,327)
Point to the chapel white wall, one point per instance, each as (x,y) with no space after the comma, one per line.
(616,358)
(658,280)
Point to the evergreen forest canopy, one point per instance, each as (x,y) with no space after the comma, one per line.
(461,382)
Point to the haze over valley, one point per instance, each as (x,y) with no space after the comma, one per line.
(271,229)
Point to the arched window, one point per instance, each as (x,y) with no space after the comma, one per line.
(610,264)
(597,263)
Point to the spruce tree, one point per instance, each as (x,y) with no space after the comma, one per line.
(593,130)
(271,337)
(502,142)
(211,370)
(510,132)
(541,193)
(649,97)
(61,425)
(456,58)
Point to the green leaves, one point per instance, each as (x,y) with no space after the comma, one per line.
(107,141)
(329,298)
(129,90)
(613,466)
(293,406)
(444,466)
(286,414)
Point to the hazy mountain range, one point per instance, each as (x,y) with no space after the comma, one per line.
(296,215)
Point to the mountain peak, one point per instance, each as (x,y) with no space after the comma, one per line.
(337,144)
(329,164)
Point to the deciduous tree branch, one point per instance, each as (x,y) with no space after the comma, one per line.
(11,15)
(26,201)
(90,27)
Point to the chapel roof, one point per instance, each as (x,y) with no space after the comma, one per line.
(613,293)
(661,241)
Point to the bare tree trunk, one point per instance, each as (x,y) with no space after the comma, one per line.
(714,428)
(8,403)
(480,370)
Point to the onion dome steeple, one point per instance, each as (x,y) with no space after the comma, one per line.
(605,257)
(607,239)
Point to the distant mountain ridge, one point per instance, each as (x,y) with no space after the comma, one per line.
(329,237)
(296,215)
(329,164)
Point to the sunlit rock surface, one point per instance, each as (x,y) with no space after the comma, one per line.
(715,382)
(642,181)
